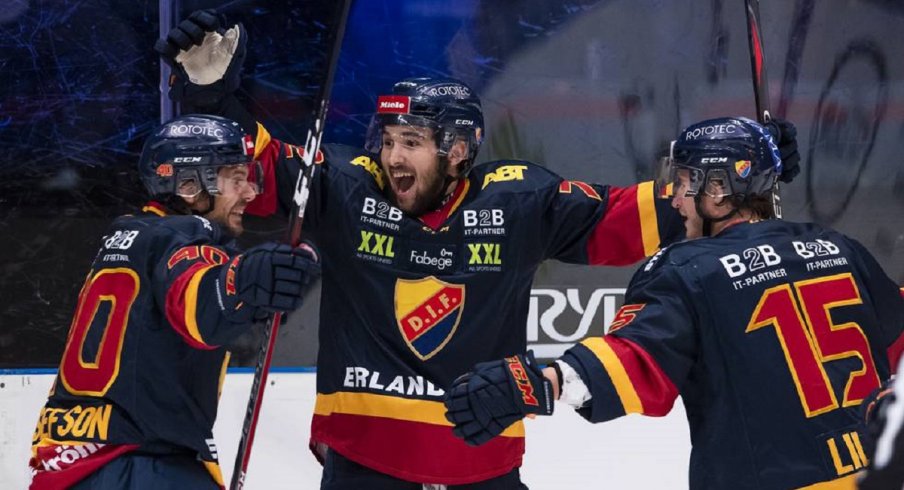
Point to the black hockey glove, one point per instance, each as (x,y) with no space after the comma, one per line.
(206,59)
(271,277)
(785,135)
(874,409)
(496,394)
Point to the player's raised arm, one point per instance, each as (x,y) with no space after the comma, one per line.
(207,57)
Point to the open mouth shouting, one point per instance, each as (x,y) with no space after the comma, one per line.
(402,182)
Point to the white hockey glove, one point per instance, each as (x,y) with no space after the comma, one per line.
(206,60)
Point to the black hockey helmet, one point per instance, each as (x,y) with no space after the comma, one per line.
(446,105)
(734,154)
(183,156)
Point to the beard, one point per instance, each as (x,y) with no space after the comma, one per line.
(431,197)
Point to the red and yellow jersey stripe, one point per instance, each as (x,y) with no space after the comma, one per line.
(358,426)
(630,228)
(626,379)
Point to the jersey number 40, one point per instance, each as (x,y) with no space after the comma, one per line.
(93,377)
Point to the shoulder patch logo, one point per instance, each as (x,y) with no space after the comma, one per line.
(372,167)
(505,173)
(427,312)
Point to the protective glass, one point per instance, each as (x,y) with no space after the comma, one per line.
(192,181)
(373,141)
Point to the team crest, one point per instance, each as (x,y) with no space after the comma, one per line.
(742,167)
(427,312)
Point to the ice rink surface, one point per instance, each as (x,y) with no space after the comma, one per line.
(563,451)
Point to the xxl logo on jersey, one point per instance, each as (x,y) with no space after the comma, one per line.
(427,312)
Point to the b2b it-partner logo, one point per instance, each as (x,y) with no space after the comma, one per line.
(427,313)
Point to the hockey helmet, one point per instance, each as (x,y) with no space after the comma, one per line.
(446,105)
(183,156)
(730,156)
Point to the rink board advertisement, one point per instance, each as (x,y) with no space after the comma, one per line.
(593,90)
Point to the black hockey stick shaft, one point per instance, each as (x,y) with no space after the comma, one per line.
(760,80)
(300,201)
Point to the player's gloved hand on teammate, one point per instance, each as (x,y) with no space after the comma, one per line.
(874,409)
(494,395)
(271,277)
(206,59)
(785,135)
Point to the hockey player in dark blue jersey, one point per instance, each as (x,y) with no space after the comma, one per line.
(136,396)
(884,417)
(772,332)
(428,263)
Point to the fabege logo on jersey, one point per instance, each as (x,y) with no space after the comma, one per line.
(427,313)
(393,104)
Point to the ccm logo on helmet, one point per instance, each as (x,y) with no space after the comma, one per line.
(186,129)
(464,122)
(710,130)
(456,90)
(714,160)
(186,159)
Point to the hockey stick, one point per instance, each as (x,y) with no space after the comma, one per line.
(760,81)
(302,190)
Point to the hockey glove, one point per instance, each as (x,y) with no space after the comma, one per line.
(494,395)
(874,410)
(206,59)
(271,277)
(785,135)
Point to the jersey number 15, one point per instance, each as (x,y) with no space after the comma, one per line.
(809,339)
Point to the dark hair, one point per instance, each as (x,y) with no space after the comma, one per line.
(760,205)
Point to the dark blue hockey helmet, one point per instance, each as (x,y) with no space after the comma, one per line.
(446,105)
(729,156)
(183,156)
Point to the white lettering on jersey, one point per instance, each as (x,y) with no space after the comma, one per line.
(361,377)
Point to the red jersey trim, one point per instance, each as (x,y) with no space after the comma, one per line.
(641,384)
(182,303)
(154,207)
(357,425)
(435,219)
(422,453)
(629,230)
(85,462)
(266,151)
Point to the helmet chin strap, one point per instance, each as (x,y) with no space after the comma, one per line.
(709,220)
(210,206)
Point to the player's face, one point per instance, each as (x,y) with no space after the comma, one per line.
(235,193)
(415,172)
(693,223)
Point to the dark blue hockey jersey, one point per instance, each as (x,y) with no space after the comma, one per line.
(142,368)
(773,333)
(409,303)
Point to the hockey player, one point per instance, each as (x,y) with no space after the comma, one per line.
(772,332)
(428,263)
(884,413)
(136,396)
